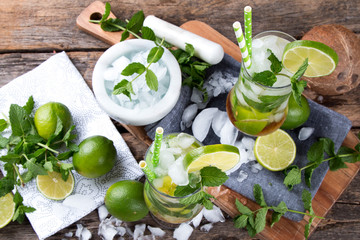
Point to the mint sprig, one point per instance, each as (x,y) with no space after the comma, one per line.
(193,69)
(255,221)
(316,156)
(36,155)
(209,177)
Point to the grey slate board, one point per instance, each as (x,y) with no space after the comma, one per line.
(326,122)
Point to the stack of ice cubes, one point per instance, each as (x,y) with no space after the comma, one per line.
(144,97)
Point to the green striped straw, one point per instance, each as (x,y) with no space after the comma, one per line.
(242,44)
(248,27)
(157,144)
(150,175)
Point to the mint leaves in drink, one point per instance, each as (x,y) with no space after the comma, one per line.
(209,177)
(255,221)
(316,156)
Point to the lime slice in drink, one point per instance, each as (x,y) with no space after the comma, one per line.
(7,209)
(222,156)
(275,151)
(52,186)
(250,121)
(322,58)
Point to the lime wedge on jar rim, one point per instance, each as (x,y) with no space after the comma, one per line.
(222,156)
(275,151)
(322,59)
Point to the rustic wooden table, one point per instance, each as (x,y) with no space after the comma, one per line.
(31,31)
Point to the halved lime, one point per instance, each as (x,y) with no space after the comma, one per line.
(52,186)
(275,151)
(222,156)
(322,59)
(7,209)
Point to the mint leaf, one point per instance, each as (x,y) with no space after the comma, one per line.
(276,65)
(123,88)
(3,124)
(195,198)
(207,204)
(106,13)
(182,191)
(348,155)
(6,185)
(124,35)
(281,208)
(300,72)
(48,166)
(251,229)
(260,220)
(241,221)
(151,80)
(298,85)
(275,217)
(20,124)
(266,78)
(308,174)
(329,146)
(132,68)
(293,177)
(316,152)
(148,33)
(307,198)
(242,208)
(113,25)
(155,54)
(29,106)
(136,22)
(189,48)
(3,142)
(212,176)
(336,164)
(34,168)
(259,195)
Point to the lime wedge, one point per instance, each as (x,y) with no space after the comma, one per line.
(250,121)
(7,209)
(52,186)
(322,58)
(275,151)
(222,156)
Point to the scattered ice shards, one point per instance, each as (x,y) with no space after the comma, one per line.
(256,167)
(206,227)
(219,82)
(103,212)
(228,133)
(109,227)
(157,232)
(82,232)
(248,142)
(202,122)
(183,232)
(242,176)
(197,219)
(68,234)
(214,215)
(196,96)
(139,230)
(189,115)
(305,133)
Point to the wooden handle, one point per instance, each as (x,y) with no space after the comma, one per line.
(94,12)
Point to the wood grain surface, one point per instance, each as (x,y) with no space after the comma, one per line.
(31,30)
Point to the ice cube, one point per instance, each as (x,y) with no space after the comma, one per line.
(139,230)
(256,167)
(68,234)
(257,43)
(158,182)
(157,232)
(218,122)
(206,227)
(160,171)
(189,113)
(85,234)
(183,232)
(305,133)
(196,96)
(202,122)
(121,63)
(214,215)
(177,173)
(242,176)
(248,142)
(185,140)
(197,219)
(228,133)
(103,212)
(166,159)
(111,74)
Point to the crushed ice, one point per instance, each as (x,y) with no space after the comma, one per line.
(214,215)
(183,232)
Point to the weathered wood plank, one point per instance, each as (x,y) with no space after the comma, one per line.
(32,25)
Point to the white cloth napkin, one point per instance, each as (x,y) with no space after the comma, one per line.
(58,80)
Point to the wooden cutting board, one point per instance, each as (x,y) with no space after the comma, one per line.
(332,186)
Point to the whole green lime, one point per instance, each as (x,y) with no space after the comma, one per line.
(297,115)
(125,200)
(47,116)
(96,157)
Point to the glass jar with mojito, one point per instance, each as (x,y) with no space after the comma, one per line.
(257,105)
(170,172)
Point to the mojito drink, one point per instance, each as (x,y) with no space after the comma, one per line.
(170,172)
(255,108)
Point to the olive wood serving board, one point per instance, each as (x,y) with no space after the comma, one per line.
(332,186)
